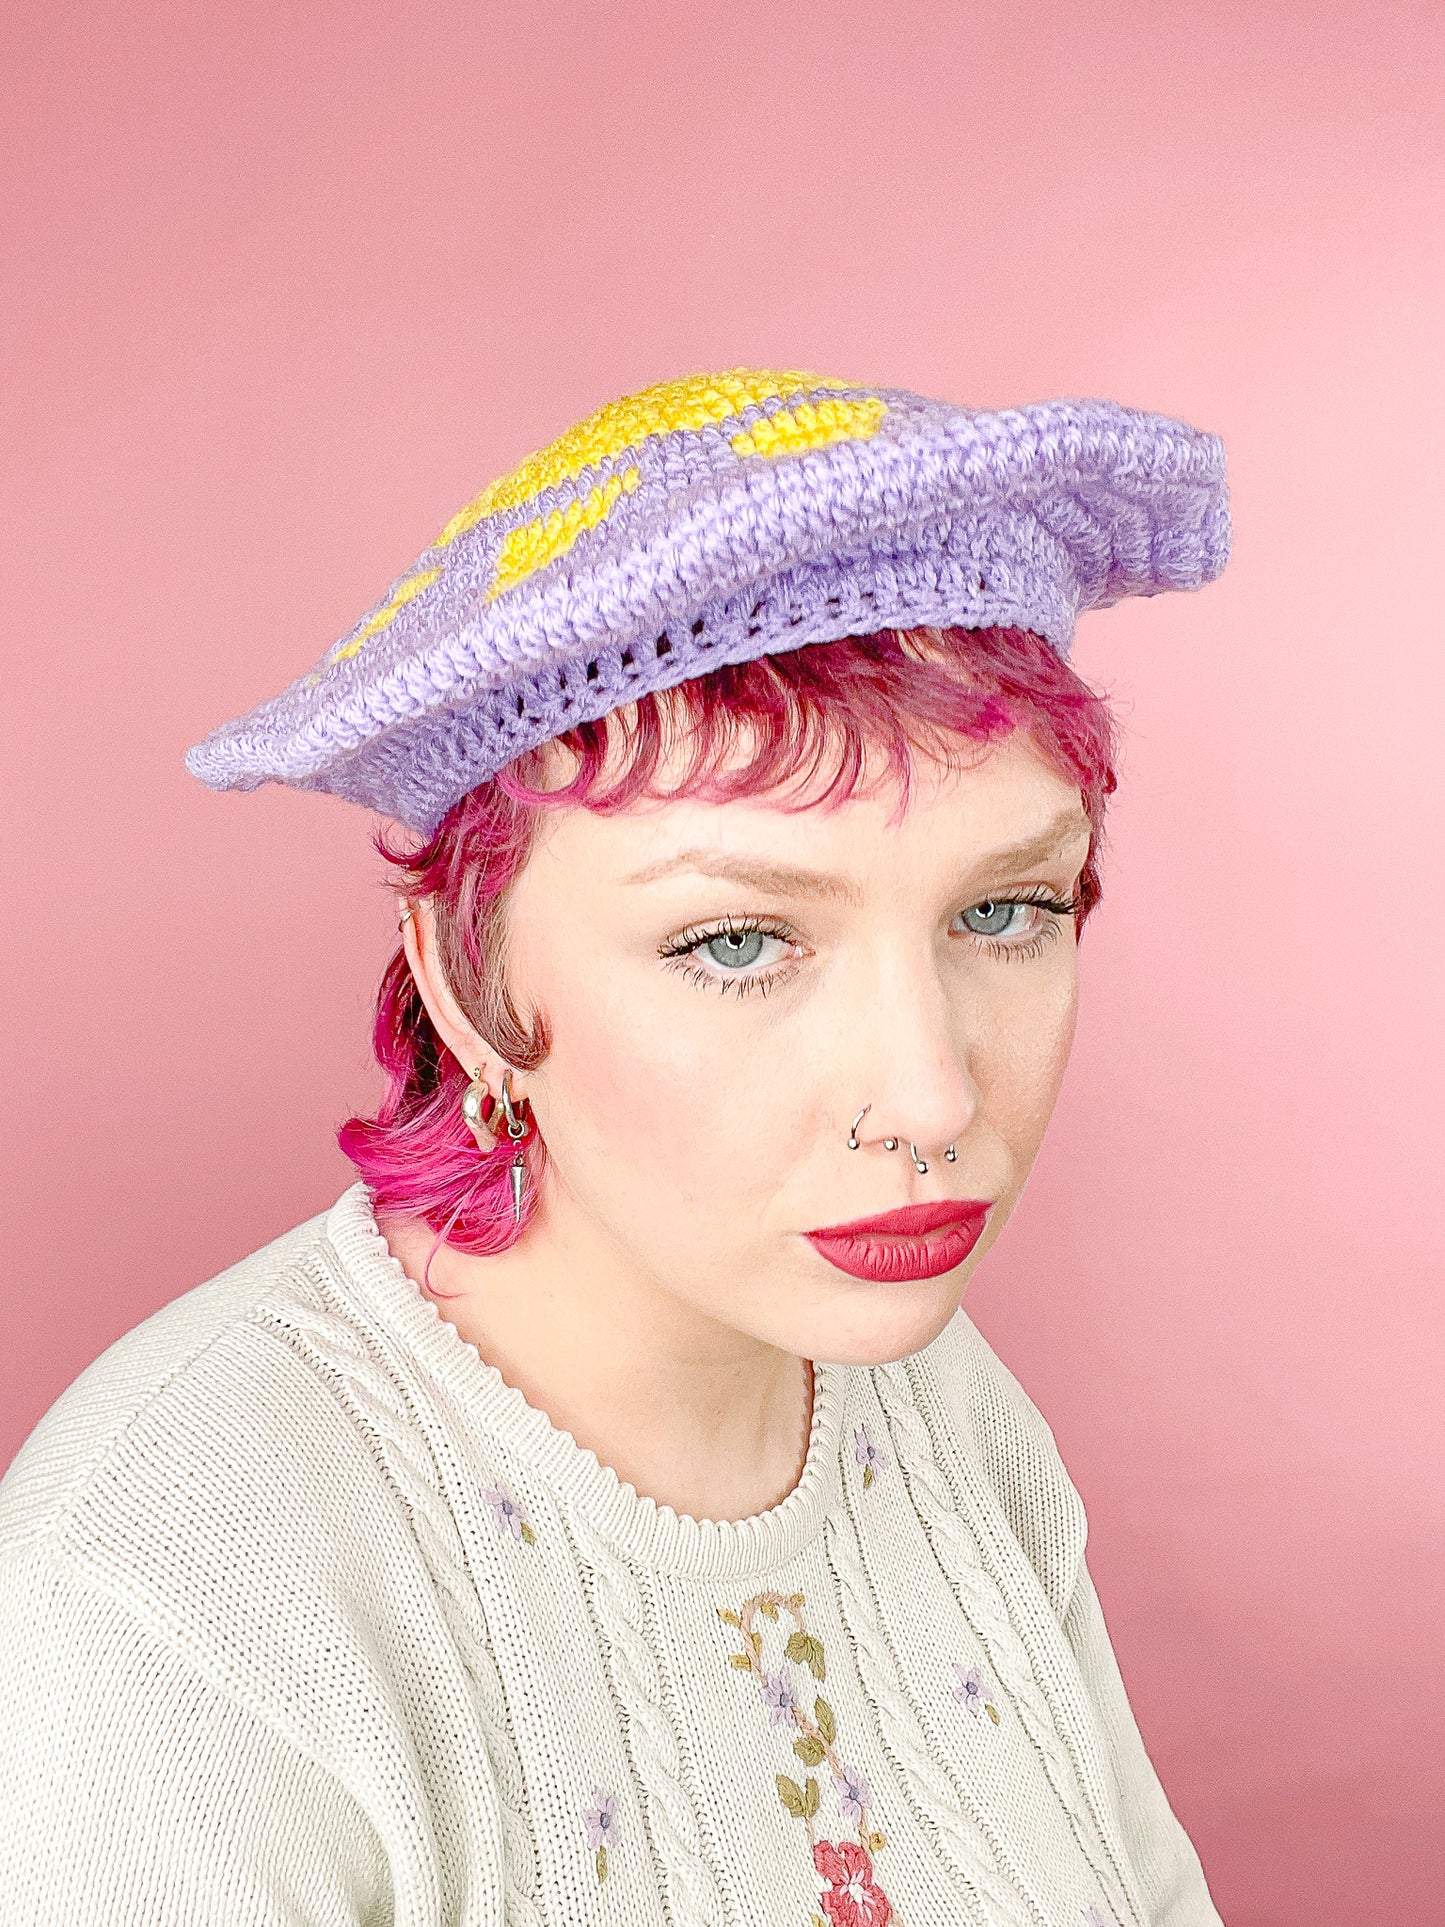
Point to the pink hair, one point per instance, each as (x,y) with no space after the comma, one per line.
(794,714)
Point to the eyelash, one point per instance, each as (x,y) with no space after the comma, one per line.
(676,951)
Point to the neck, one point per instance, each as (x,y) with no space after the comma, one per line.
(691,1413)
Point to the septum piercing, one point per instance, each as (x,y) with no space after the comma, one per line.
(950,1156)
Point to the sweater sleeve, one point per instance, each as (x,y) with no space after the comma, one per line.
(132,1790)
(1163,1856)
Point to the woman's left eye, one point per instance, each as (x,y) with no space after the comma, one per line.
(1000,919)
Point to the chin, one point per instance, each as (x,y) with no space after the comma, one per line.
(876,1324)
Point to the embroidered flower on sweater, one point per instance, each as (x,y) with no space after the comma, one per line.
(970,1690)
(848,1893)
(507,1514)
(600,1820)
(854,1798)
(777,1694)
(868,1455)
(845,1886)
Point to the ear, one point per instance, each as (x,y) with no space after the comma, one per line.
(418,936)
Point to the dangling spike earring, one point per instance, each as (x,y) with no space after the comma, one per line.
(517,1131)
(853,1133)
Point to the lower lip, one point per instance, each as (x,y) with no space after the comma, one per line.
(884,1257)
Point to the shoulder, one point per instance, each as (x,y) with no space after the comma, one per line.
(979,1412)
(208,1479)
(190,1352)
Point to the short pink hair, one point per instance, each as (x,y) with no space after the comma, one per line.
(804,716)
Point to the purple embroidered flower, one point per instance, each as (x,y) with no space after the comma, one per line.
(507,1515)
(969,1688)
(778,1695)
(867,1454)
(600,1818)
(1091,1917)
(854,1795)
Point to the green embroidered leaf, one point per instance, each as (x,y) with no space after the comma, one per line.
(742,1660)
(528,1534)
(797,1647)
(823,1714)
(767,1609)
(814,1657)
(991,1710)
(810,1798)
(730,1618)
(793,1797)
(867,1477)
(601,1864)
(808,1750)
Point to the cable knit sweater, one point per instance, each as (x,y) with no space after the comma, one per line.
(307,1616)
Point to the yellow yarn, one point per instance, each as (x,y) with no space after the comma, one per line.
(811,425)
(530,547)
(389,610)
(694,401)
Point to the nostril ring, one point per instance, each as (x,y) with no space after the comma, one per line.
(853,1133)
(918,1163)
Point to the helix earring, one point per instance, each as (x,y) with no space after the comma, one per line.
(408,912)
(516,1130)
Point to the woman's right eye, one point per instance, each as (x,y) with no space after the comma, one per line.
(737,949)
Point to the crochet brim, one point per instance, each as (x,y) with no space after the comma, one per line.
(640,559)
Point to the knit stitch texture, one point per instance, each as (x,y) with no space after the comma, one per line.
(307,1616)
(711,520)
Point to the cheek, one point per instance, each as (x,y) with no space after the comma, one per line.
(1021,1056)
(645,1105)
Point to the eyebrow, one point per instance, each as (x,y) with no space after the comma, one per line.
(785,880)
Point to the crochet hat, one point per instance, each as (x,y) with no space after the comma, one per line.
(711,520)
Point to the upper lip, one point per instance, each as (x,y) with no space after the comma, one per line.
(909,1221)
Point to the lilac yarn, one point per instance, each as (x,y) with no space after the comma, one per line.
(713,520)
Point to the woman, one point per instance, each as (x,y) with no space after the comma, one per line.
(605,1511)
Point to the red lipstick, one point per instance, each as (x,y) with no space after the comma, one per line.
(920,1241)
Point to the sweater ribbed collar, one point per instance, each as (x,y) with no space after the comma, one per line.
(649,1533)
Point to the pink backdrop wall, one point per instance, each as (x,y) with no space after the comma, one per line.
(284,286)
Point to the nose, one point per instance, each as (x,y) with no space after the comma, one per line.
(918,1089)
(920,1163)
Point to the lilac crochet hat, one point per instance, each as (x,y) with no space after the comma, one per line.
(711,520)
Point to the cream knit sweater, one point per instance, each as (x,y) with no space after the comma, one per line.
(306,1616)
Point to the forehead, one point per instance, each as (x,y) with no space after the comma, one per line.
(1006,794)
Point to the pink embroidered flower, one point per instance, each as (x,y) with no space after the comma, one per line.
(969,1688)
(507,1515)
(853,1795)
(846,1891)
(778,1694)
(867,1454)
(600,1818)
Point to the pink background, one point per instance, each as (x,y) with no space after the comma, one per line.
(292,283)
